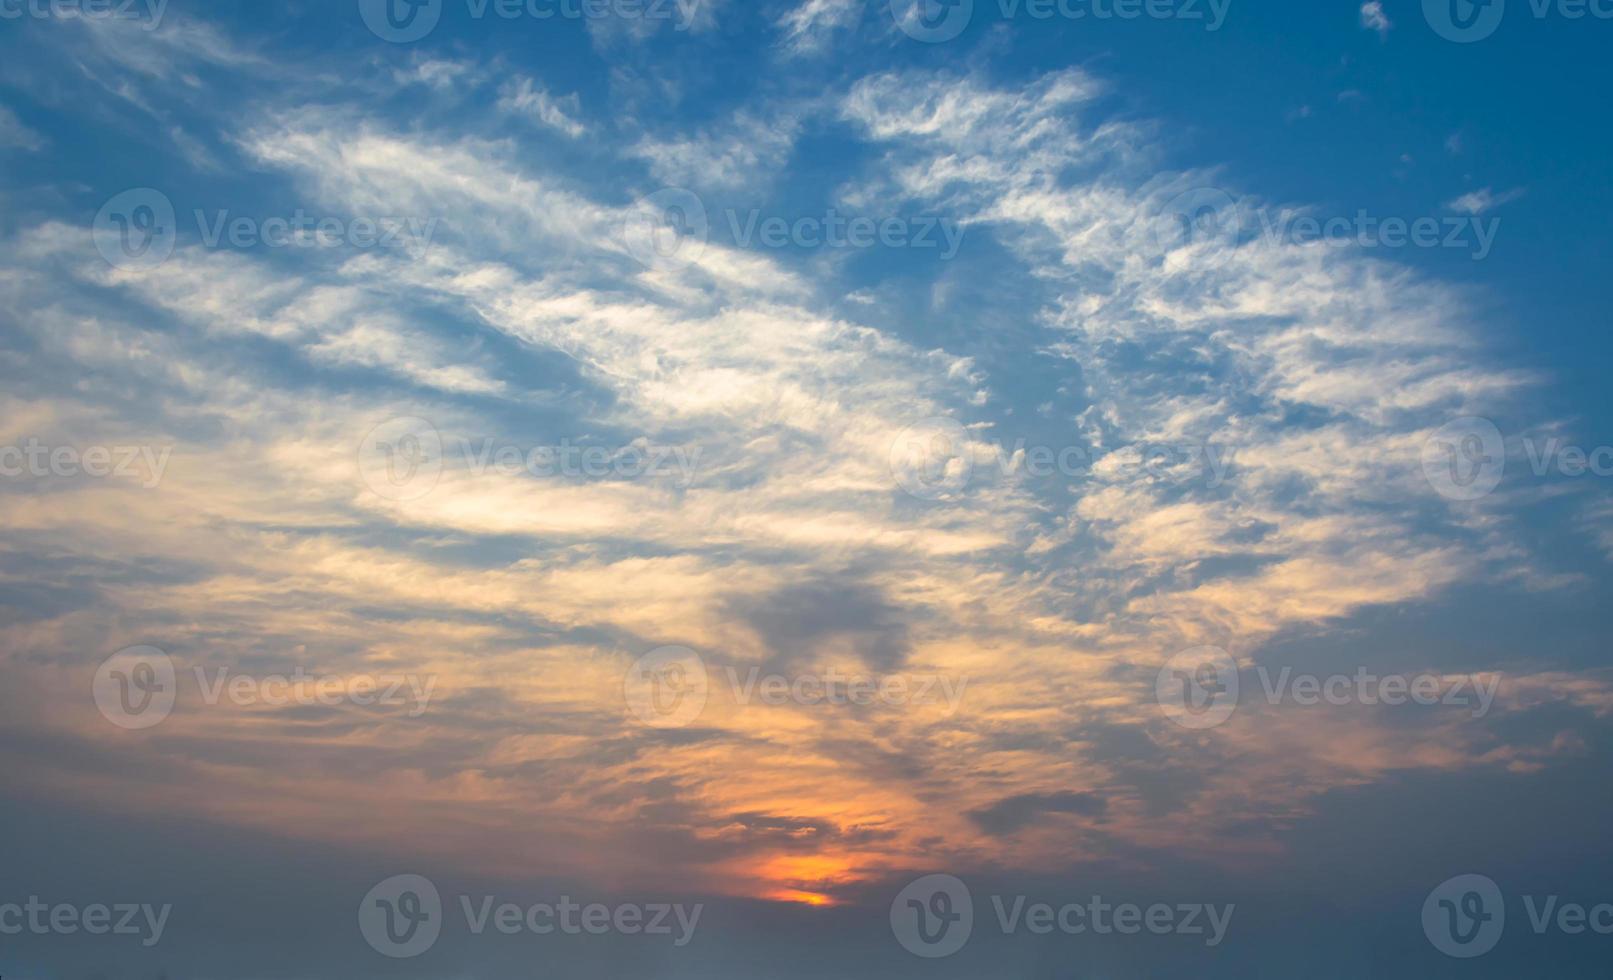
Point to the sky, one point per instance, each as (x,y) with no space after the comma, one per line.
(1082,489)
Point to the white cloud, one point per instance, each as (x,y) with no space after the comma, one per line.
(526,98)
(14,134)
(1484,199)
(809,27)
(745,152)
(1374,19)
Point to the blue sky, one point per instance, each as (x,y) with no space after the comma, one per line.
(590,402)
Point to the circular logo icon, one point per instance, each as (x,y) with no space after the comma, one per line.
(933,917)
(667,229)
(1464,917)
(933,458)
(402,916)
(1198,688)
(135,688)
(1465,459)
(932,21)
(1464,21)
(401,459)
(136,229)
(1206,220)
(400,21)
(667,687)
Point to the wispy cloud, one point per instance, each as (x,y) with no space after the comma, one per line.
(526,98)
(1484,199)
(13,134)
(810,27)
(531,320)
(1373,18)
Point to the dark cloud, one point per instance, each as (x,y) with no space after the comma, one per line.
(794,621)
(1006,817)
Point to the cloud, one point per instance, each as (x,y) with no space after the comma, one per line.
(526,98)
(529,321)
(810,26)
(1484,199)
(13,134)
(1374,19)
(743,153)
(1005,817)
